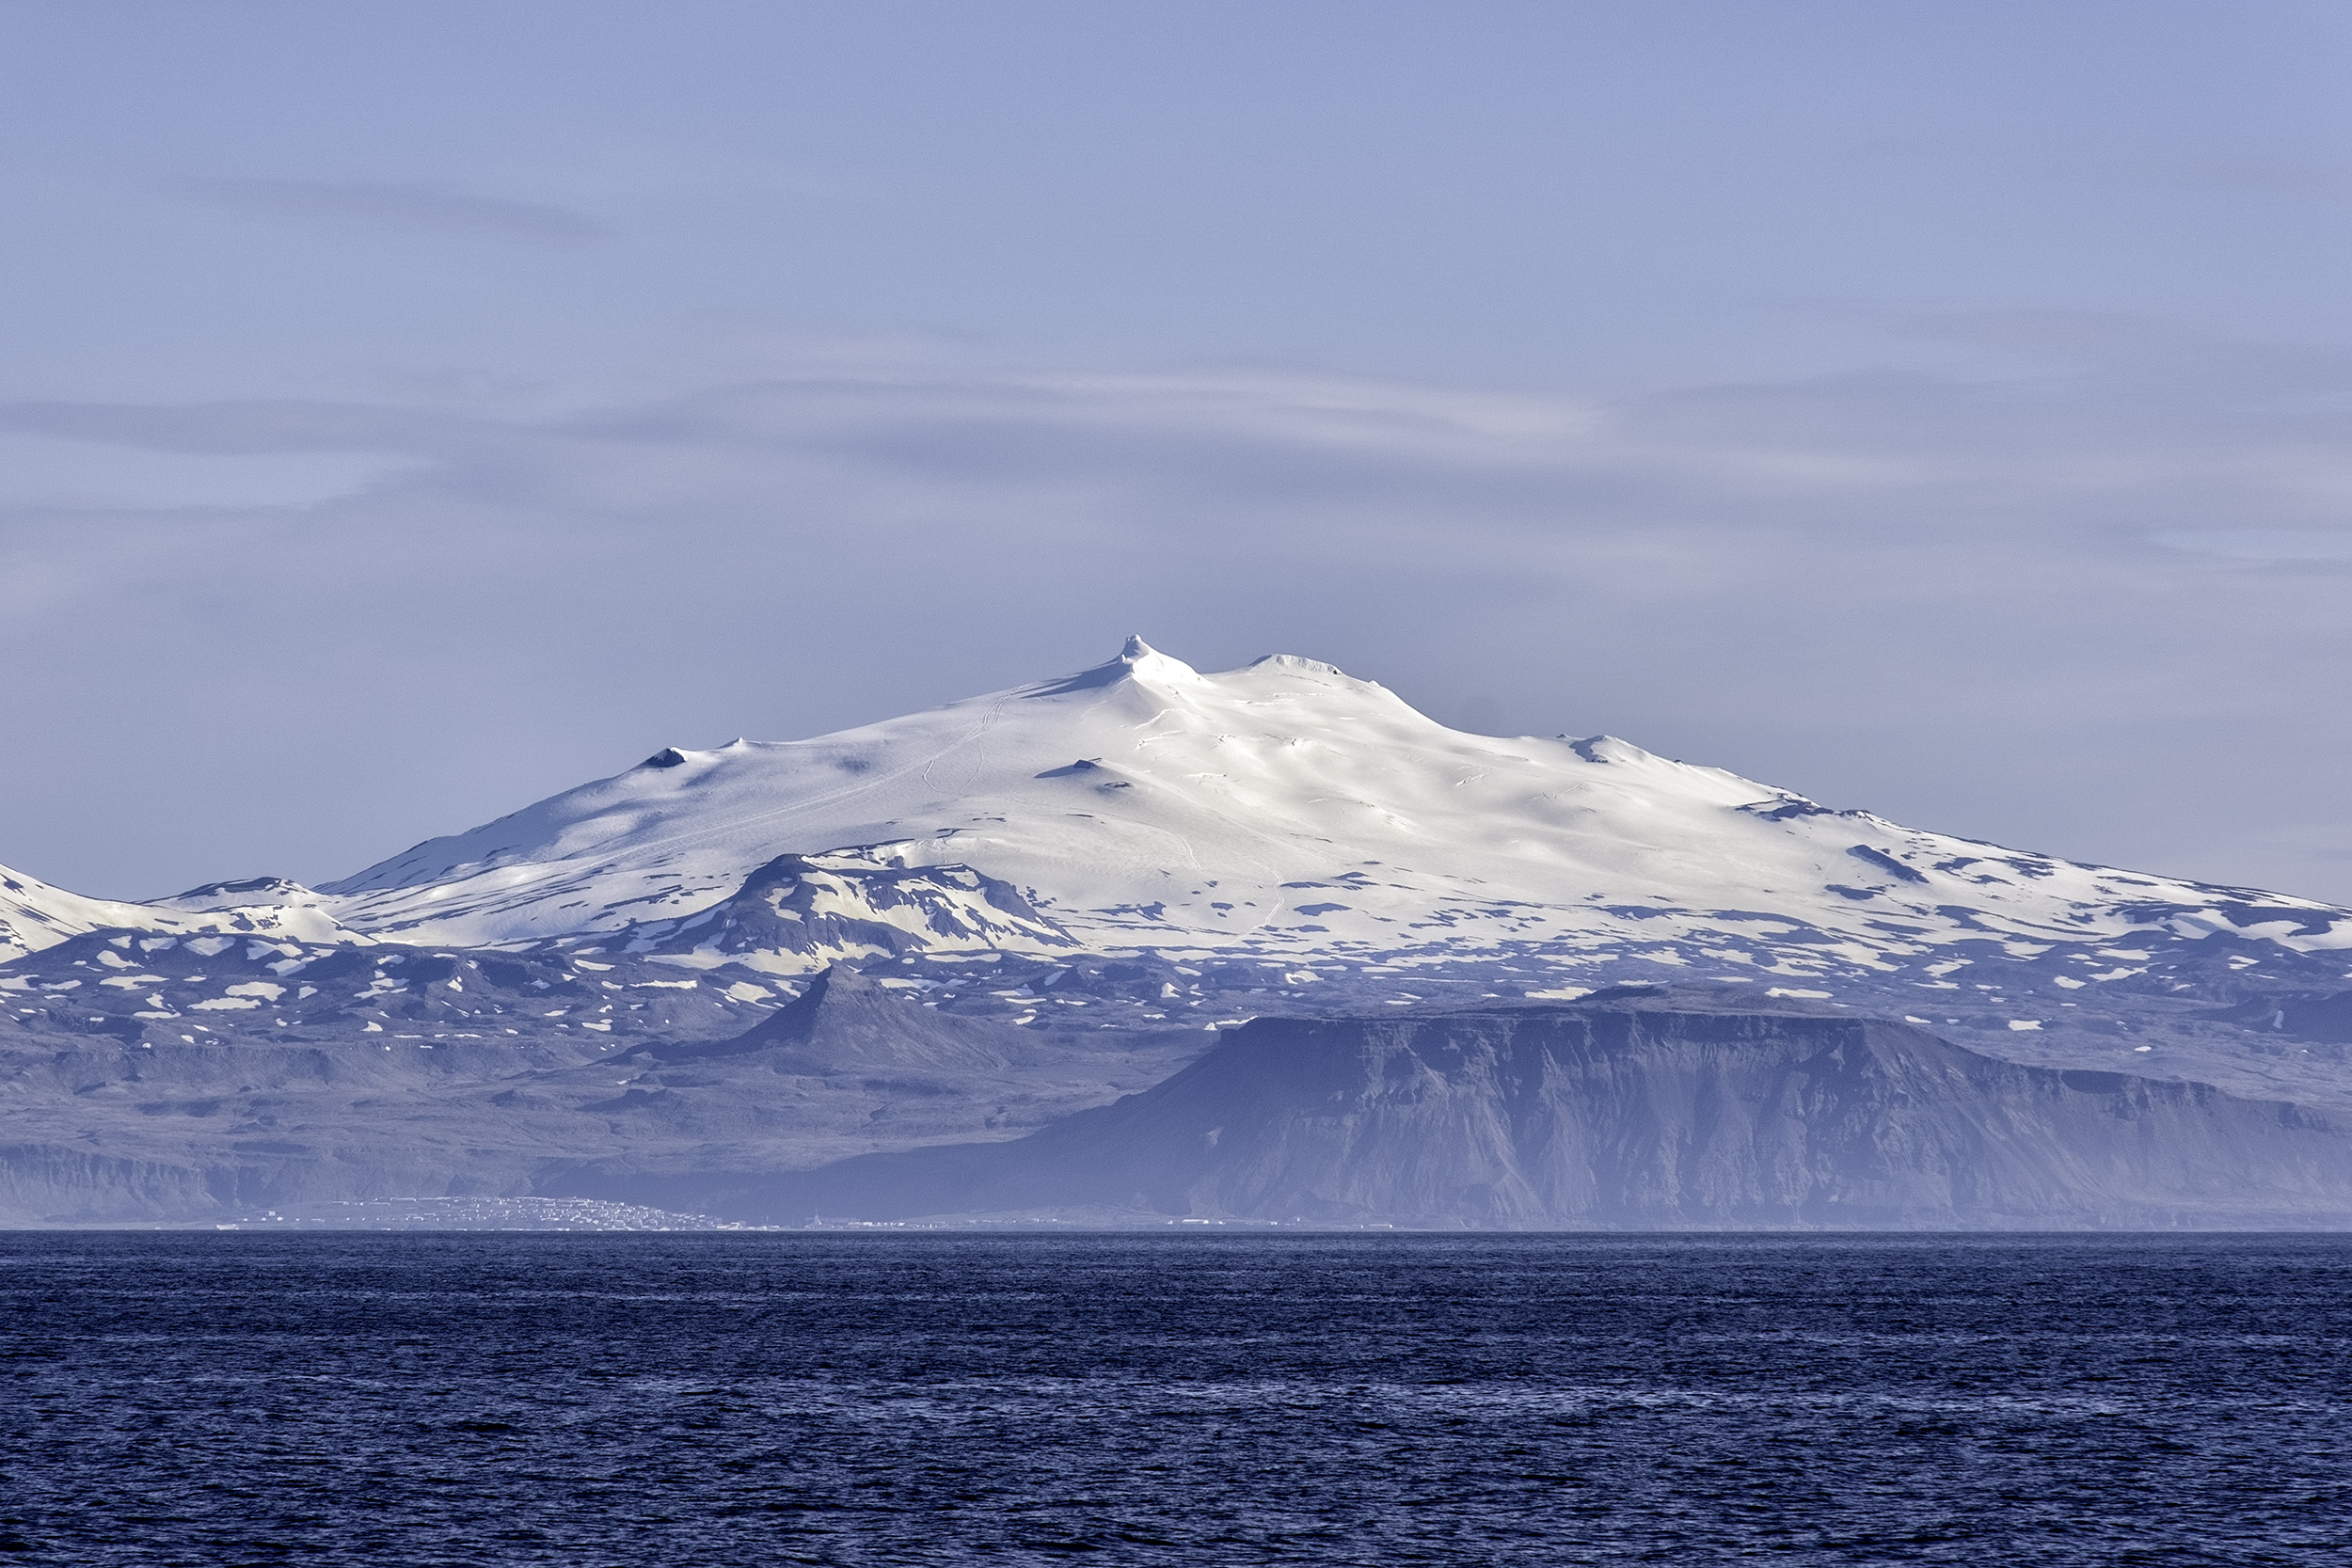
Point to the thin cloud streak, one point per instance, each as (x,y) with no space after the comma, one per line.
(415,209)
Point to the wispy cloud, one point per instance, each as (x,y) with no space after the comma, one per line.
(1962,600)
(2263,544)
(425,209)
(255,427)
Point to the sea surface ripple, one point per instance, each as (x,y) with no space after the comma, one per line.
(670,1400)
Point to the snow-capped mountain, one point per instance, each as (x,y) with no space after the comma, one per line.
(1290,811)
(1104,874)
(35,915)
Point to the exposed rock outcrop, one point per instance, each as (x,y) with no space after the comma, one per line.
(801,912)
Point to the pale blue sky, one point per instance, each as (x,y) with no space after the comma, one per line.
(410,409)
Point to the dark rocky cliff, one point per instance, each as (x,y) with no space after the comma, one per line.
(1632,1110)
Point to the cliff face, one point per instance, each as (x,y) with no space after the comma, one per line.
(104,1129)
(1629,1112)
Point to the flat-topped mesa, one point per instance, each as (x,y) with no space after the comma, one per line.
(1627,1111)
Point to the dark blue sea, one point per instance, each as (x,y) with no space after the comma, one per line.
(666,1401)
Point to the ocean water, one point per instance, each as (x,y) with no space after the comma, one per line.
(666,1401)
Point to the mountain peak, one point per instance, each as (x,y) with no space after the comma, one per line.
(1137,661)
(847,1022)
(1145,662)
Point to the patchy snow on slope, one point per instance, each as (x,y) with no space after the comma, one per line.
(1284,808)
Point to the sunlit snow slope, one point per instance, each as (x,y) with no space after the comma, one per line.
(1284,807)
(35,915)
